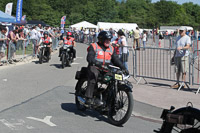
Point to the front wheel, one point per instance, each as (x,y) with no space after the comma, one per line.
(120,109)
(63,60)
(41,56)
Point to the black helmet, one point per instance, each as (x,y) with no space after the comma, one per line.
(45,33)
(103,35)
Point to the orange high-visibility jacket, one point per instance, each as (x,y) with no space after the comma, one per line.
(47,40)
(68,41)
(103,56)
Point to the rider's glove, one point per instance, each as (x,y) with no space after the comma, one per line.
(126,72)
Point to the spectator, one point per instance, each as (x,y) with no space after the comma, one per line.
(144,39)
(20,37)
(136,34)
(33,39)
(123,48)
(12,44)
(3,39)
(181,55)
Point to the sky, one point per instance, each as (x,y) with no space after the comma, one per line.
(183,1)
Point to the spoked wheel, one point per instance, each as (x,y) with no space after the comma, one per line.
(63,60)
(41,56)
(80,91)
(121,109)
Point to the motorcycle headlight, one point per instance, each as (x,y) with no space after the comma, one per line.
(68,50)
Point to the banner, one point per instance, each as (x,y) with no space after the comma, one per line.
(19,11)
(8,9)
(63,23)
(24,18)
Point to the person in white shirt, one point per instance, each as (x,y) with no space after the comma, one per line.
(33,39)
(144,39)
(123,49)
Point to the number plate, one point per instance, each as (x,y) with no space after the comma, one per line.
(118,77)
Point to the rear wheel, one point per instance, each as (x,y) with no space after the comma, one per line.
(41,56)
(63,60)
(81,87)
(121,109)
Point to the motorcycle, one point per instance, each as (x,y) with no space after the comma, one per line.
(66,56)
(182,120)
(112,90)
(44,54)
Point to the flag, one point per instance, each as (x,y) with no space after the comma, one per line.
(63,22)
(19,11)
(8,9)
(24,18)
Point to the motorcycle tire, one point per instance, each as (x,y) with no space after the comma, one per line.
(115,107)
(80,91)
(63,61)
(41,56)
(68,61)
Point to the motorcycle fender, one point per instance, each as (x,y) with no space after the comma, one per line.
(126,87)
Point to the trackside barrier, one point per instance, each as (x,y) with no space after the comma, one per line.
(154,63)
(17,52)
(196,69)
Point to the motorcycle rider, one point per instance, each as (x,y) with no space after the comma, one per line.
(100,55)
(46,40)
(69,41)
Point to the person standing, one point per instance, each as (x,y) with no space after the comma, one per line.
(181,55)
(3,39)
(123,49)
(144,39)
(136,34)
(33,39)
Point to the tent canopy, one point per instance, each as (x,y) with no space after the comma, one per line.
(84,24)
(117,26)
(7,18)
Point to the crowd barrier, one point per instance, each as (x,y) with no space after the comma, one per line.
(155,63)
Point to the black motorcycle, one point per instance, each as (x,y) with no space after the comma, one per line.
(112,90)
(182,120)
(66,56)
(44,54)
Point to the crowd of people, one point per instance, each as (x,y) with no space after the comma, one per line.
(15,37)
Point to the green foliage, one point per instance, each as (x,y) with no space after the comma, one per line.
(142,12)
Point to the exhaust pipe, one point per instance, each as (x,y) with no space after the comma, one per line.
(81,100)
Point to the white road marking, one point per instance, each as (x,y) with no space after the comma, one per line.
(5,80)
(12,126)
(46,120)
(74,63)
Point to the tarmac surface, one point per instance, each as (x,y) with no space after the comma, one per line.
(155,95)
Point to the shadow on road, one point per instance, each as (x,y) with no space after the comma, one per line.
(71,107)
(36,62)
(57,66)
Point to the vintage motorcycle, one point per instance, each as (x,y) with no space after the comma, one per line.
(113,90)
(44,54)
(182,120)
(66,56)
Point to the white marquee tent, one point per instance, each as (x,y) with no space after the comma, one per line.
(84,24)
(116,26)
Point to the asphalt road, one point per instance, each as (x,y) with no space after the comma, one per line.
(39,98)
